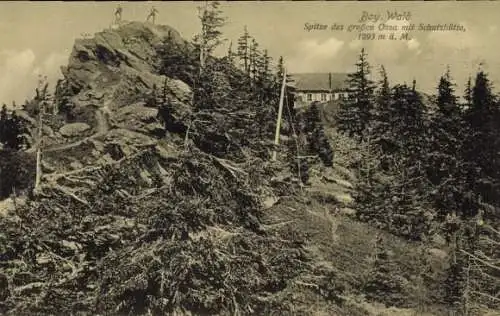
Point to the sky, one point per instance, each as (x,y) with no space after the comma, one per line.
(37,37)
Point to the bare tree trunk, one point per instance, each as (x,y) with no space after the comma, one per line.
(38,176)
(186,137)
(202,58)
(14,196)
(278,122)
(38,170)
(203,40)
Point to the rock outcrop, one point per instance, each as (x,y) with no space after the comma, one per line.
(112,76)
(117,68)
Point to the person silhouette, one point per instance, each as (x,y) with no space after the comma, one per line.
(118,14)
(152,15)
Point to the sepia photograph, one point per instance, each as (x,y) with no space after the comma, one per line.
(250,158)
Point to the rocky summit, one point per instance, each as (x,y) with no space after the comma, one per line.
(110,78)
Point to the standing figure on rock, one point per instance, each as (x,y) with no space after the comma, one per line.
(152,15)
(118,14)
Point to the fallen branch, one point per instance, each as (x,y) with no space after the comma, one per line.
(56,176)
(486,239)
(78,181)
(70,194)
(309,285)
(232,169)
(28,286)
(269,226)
(487,295)
(480,260)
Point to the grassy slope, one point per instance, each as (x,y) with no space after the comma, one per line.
(347,247)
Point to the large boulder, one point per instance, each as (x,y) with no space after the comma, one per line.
(137,117)
(74,129)
(128,142)
(102,60)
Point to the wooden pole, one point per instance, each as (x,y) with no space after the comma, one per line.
(38,174)
(42,91)
(280,112)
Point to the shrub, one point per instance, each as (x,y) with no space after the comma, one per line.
(17,171)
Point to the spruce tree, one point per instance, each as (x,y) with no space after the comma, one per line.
(399,147)
(254,60)
(446,99)
(399,120)
(384,91)
(317,141)
(280,69)
(381,126)
(13,132)
(177,60)
(385,282)
(468,95)
(356,113)
(16,171)
(210,37)
(482,143)
(265,73)
(244,50)
(3,124)
(444,161)
(230,53)
(264,83)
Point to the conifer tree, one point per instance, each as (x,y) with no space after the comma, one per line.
(244,50)
(265,80)
(384,92)
(444,161)
(385,282)
(177,60)
(468,94)
(408,121)
(397,119)
(230,53)
(210,37)
(280,69)
(356,113)
(446,99)
(3,124)
(483,105)
(317,141)
(13,132)
(482,143)
(382,113)
(16,171)
(265,71)
(254,60)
